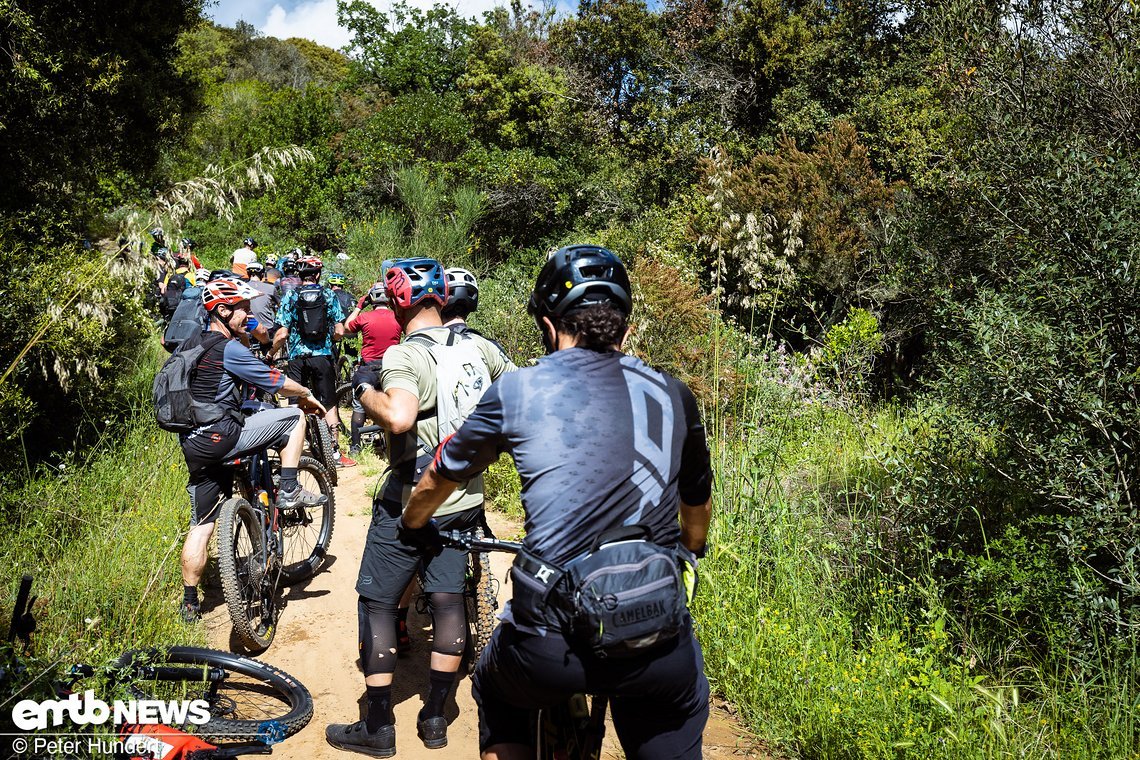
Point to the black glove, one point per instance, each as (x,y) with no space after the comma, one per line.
(425,539)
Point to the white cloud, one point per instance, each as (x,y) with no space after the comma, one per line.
(316,19)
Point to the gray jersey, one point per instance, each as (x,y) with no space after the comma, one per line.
(600,440)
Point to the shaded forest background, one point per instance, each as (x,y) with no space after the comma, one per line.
(892,247)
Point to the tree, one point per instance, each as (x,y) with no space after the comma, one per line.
(407,49)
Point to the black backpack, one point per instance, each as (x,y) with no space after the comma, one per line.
(312,314)
(190,318)
(175,408)
(173,295)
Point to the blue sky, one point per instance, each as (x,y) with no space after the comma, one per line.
(316,19)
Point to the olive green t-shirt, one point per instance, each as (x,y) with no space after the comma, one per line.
(410,367)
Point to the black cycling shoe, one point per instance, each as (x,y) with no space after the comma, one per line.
(299,497)
(191,612)
(355,737)
(433,731)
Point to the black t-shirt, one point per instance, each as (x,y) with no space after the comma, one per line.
(600,440)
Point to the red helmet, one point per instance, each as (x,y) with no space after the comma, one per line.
(411,281)
(227,292)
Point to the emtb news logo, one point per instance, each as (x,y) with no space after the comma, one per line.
(30,715)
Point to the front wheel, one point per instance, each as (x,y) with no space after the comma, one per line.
(307,531)
(248,581)
(247,700)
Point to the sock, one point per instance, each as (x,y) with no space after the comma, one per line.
(289,479)
(190,595)
(379,707)
(357,423)
(335,434)
(439,686)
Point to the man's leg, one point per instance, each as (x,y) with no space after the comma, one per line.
(207,484)
(385,569)
(282,429)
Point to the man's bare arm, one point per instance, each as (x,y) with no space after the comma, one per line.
(695,525)
(432,490)
(394,409)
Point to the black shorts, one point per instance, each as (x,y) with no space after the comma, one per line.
(208,455)
(659,701)
(388,565)
(318,374)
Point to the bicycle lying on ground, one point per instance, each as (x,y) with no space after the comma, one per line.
(570,730)
(261,545)
(249,704)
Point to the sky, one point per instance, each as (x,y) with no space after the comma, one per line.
(316,19)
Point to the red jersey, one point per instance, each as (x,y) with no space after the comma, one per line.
(379,330)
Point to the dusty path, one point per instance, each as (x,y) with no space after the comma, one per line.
(317,643)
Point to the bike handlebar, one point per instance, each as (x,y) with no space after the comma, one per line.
(471,543)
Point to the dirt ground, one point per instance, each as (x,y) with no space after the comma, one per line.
(317,642)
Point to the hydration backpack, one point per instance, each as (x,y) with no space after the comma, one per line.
(188,319)
(312,314)
(175,408)
(175,286)
(462,377)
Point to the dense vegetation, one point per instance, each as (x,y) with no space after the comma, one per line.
(892,247)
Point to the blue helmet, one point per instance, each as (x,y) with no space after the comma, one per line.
(411,281)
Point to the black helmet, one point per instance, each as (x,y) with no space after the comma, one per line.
(250,242)
(222,274)
(462,293)
(188,243)
(577,276)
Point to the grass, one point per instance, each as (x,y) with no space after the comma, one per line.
(102,537)
(827,649)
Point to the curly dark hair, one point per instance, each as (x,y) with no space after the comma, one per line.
(599,327)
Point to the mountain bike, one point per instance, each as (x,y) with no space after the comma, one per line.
(261,546)
(570,730)
(247,701)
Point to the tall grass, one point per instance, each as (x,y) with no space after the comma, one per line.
(827,648)
(102,536)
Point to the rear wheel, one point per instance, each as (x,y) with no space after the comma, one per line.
(482,601)
(248,700)
(248,582)
(307,531)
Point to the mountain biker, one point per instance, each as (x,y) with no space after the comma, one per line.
(186,248)
(462,302)
(601,441)
(337,281)
(404,398)
(222,375)
(379,331)
(309,320)
(288,267)
(244,256)
(263,308)
(177,280)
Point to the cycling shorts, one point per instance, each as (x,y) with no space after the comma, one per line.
(388,565)
(318,374)
(659,701)
(208,455)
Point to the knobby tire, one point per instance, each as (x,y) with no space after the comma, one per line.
(241,565)
(482,605)
(307,532)
(252,693)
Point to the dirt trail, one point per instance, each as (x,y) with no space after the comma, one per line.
(317,643)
